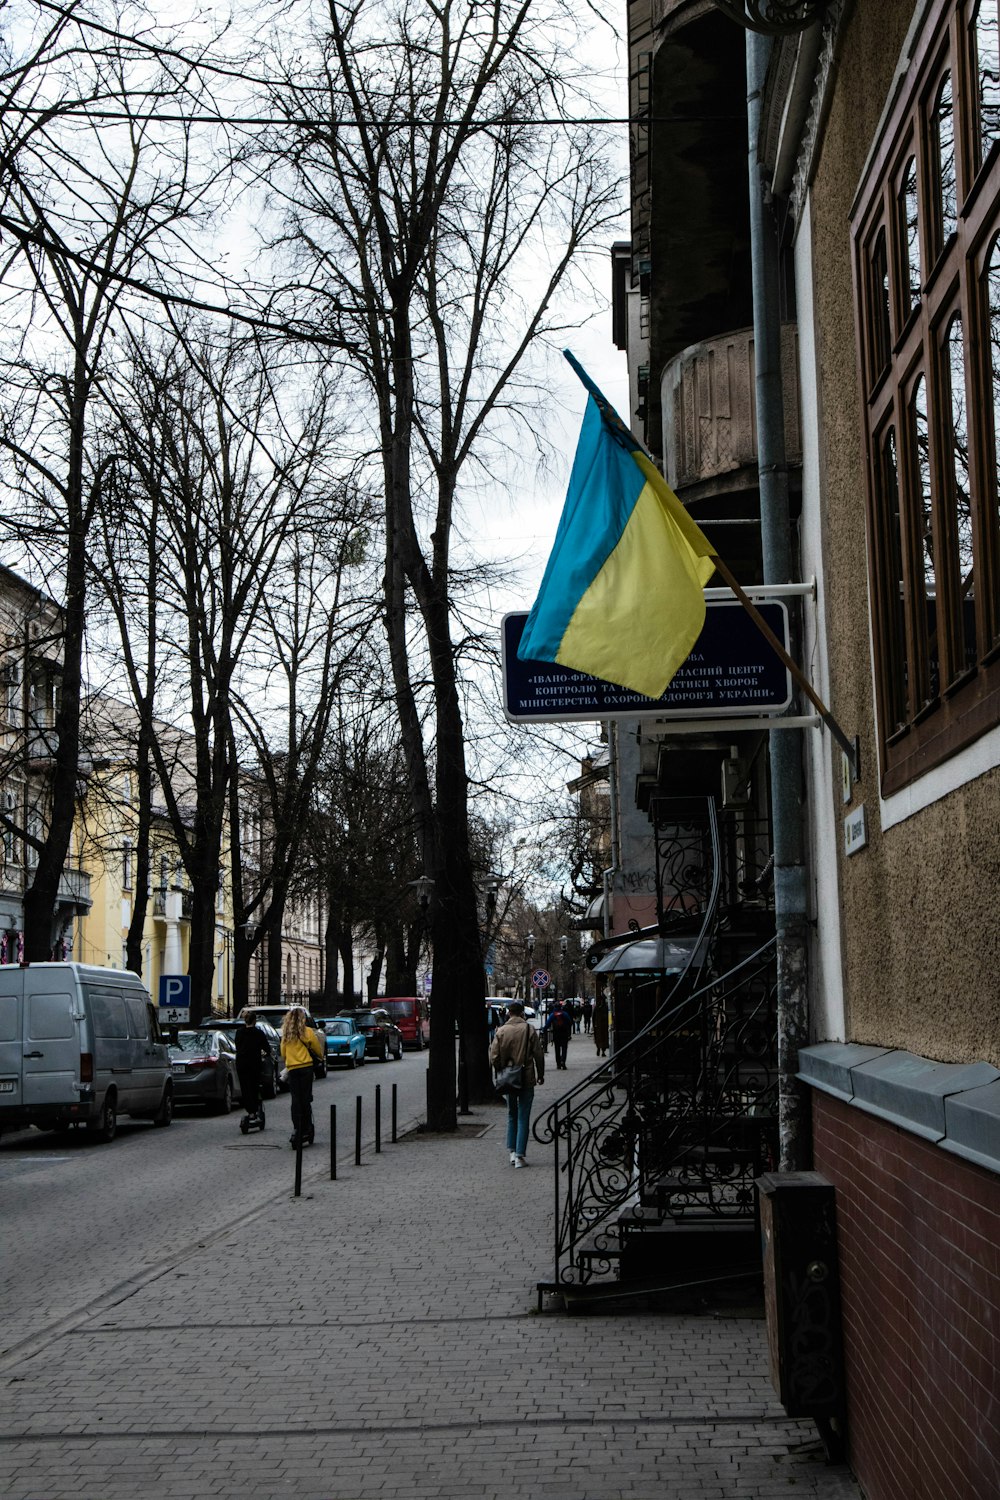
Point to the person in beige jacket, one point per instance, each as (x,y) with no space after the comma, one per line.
(518,1043)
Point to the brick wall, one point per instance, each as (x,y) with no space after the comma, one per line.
(919,1235)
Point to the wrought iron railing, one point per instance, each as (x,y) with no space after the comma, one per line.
(680,1120)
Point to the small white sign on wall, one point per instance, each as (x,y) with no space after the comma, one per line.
(855,830)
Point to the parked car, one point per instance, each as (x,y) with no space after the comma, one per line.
(392,1033)
(411,1014)
(345,1043)
(270,1075)
(80,1045)
(383,1039)
(274,1015)
(203,1064)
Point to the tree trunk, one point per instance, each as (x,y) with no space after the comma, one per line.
(331,948)
(41,896)
(400,968)
(201,950)
(140,873)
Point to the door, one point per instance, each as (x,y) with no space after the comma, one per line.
(10,1048)
(51,1050)
(113,1048)
(148,1068)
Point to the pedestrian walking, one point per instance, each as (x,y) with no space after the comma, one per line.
(588,1014)
(299,1047)
(516,1043)
(560,1023)
(601,1026)
(577,1013)
(252,1046)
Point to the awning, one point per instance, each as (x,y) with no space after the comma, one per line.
(654,955)
(592,919)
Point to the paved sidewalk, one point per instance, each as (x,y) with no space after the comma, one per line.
(378,1338)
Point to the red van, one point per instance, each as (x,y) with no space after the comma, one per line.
(410,1013)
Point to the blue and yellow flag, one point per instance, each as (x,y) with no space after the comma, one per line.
(622,596)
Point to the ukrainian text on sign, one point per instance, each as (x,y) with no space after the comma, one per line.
(732,670)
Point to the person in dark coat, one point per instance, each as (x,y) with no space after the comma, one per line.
(601,1019)
(252,1046)
(560,1023)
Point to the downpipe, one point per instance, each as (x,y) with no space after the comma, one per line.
(786,764)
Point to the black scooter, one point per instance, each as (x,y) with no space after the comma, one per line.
(254,1121)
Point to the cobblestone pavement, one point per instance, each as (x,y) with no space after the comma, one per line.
(378,1337)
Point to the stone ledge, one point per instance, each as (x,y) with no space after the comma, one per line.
(954,1105)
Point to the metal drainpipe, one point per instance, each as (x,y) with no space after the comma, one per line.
(612,870)
(787,781)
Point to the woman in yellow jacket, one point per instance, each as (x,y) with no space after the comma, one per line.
(299,1046)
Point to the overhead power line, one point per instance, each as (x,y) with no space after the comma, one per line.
(402,122)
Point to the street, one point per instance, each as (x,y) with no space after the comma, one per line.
(197,1332)
(83,1221)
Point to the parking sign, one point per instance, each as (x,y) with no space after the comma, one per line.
(175,999)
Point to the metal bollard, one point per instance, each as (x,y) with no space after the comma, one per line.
(378,1119)
(357,1134)
(333,1143)
(298,1167)
(394,1114)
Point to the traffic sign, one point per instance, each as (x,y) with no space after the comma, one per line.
(541,978)
(175,999)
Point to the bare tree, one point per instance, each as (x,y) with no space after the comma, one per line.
(211,565)
(84,210)
(433,232)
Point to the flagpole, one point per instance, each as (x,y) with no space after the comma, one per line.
(849,747)
(624,433)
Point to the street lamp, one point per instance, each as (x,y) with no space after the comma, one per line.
(250,931)
(489,885)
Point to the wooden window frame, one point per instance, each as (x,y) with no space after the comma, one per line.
(953,281)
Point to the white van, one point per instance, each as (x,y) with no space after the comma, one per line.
(80,1044)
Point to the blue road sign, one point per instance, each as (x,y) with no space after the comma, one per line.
(731,670)
(175,998)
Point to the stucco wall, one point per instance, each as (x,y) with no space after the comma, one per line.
(921,939)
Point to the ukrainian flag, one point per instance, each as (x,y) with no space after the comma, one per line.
(622,596)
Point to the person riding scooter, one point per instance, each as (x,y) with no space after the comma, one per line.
(252,1046)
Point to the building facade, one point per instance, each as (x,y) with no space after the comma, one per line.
(861,254)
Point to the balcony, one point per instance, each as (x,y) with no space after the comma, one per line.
(167,906)
(74,892)
(709,411)
(40,748)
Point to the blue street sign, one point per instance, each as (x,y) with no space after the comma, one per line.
(175,999)
(731,670)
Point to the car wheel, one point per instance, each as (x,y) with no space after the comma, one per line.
(384,1054)
(105,1127)
(226,1102)
(269,1088)
(165,1114)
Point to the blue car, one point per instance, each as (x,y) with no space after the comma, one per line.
(344,1043)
